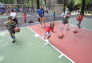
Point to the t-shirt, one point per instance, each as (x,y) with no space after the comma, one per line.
(13,14)
(79,18)
(47,29)
(40,11)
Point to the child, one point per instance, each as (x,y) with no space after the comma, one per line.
(41,16)
(79,19)
(47,31)
(66,20)
(13,14)
(10,25)
(54,15)
(24,17)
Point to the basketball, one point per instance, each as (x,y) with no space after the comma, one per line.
(75,31)
(17,29)
(61,36)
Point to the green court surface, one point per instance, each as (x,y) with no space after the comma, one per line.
(27,49)
(86,23)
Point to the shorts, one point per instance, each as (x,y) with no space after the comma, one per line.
(65,22)
(41,15)
(47,33)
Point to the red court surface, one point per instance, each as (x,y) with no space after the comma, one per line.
(76,46)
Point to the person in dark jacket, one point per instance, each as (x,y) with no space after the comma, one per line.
(10,25)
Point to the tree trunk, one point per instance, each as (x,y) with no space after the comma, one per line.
(38,4)
(64,6)
(83,7)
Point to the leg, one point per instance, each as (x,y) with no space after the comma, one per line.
(54,18)
(79,23)
(12,34)
(25,20)
(44,35)
(67,26)
(48,35)
(41,21)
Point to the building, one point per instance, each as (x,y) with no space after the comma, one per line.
(56,5)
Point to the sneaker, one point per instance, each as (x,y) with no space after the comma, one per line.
(13,41)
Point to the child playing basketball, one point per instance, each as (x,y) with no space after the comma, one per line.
(10,25)
(47,31)
(52,26)
(79,19)
(66,20)
(41,13)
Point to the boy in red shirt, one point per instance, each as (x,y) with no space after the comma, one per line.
(47,31)
(79,19)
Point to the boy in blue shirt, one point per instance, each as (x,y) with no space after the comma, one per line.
(41,15)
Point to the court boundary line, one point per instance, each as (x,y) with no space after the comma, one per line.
(61,53)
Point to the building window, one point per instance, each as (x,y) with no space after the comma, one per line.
(59,1)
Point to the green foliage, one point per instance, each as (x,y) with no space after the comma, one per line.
(18,1)
(71,2)
(79,2)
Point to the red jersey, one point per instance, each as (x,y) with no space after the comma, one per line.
(47,29)
(79,18)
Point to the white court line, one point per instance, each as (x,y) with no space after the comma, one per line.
(62,54)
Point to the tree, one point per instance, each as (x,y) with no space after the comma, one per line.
(70,5)
(83,7)
(38,3)
(82,4)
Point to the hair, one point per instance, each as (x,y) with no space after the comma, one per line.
(12,10)
(52,25)
(9,17)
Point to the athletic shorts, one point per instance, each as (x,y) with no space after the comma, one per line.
(47,33)
(65,22)
(41,15)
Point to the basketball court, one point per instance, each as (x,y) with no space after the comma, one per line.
(30,47)
(76,46)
